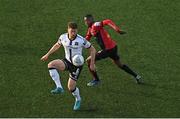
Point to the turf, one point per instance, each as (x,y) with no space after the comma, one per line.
(28,28)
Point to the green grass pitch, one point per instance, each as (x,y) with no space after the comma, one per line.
(28,28)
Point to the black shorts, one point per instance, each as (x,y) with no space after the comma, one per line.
(74,71)
(112,53)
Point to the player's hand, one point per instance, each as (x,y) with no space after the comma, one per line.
(92,67)
(45,57)
(122,32)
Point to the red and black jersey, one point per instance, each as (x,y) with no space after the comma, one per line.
(102,36)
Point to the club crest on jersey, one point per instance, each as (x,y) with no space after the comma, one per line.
(76,43)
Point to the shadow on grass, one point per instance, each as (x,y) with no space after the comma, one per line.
(90,107)
(154,95)
(89,110)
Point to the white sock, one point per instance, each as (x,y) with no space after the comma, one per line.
(76,94)
(55,76)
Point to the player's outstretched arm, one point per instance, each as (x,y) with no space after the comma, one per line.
(113,26)
(92,51)
(54,48)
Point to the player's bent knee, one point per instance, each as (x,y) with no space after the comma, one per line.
(120,65)
(50,65)
(58,64)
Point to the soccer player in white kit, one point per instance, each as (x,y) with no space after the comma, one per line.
(73,44)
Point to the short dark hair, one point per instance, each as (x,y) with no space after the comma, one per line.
(89,16)
(72,25)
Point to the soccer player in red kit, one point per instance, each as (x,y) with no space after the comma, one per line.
(108,46)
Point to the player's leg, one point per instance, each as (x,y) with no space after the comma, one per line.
(75,92)
(93,73)
(116,59)
(74,73)
(125,67)
(55,66)
(100,55)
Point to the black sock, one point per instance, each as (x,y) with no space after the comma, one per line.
(128,70)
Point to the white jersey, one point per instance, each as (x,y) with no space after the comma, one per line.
(73,47)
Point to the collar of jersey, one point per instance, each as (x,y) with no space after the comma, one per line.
(72,39)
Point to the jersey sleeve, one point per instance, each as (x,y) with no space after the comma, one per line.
(88,35)
(86,44)
(111,24)
(59,40)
